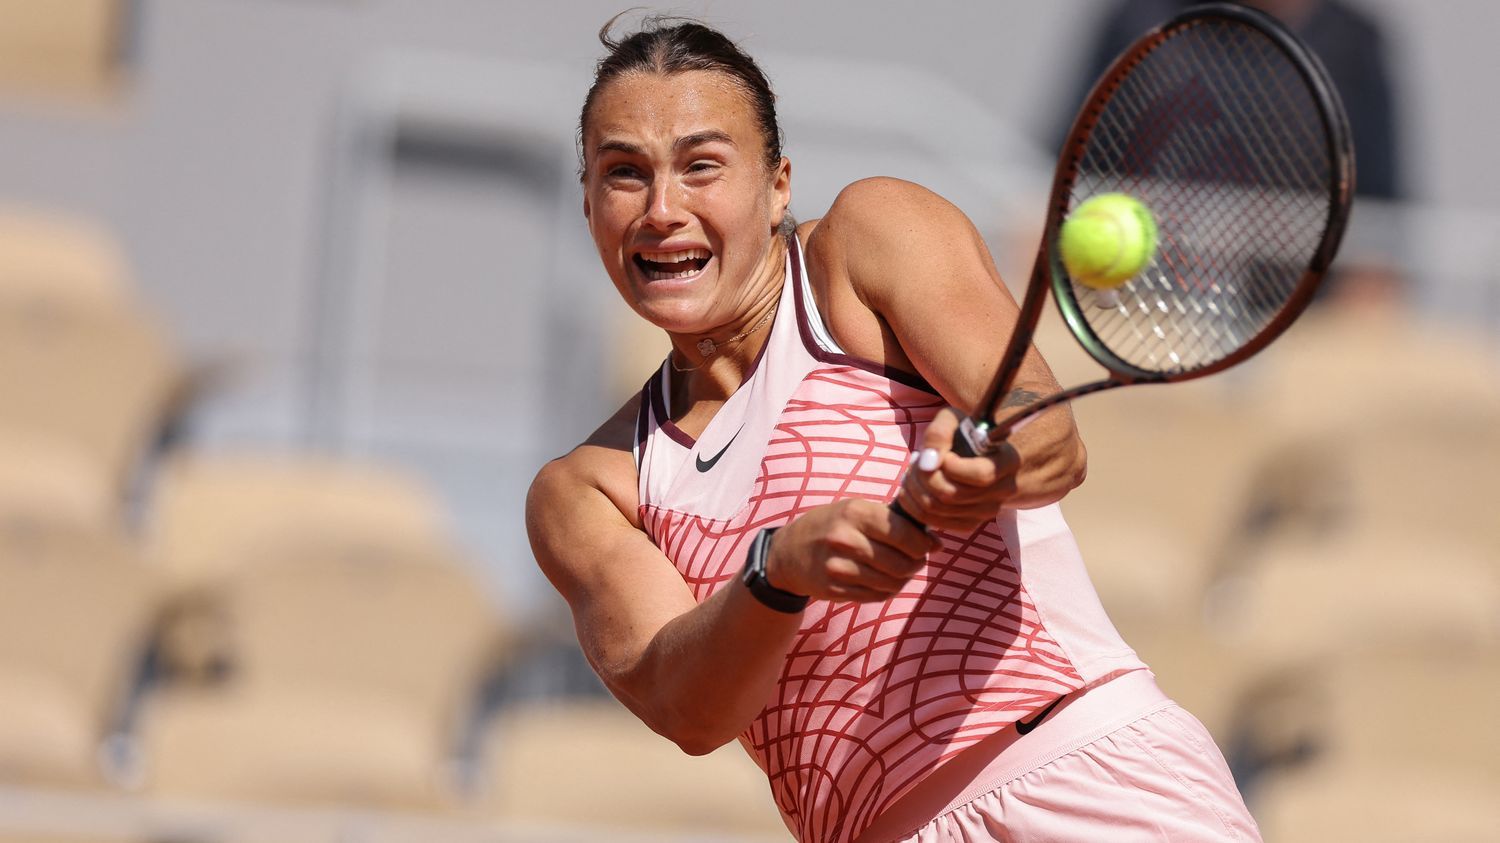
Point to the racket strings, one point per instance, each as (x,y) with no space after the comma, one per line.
(1216,132)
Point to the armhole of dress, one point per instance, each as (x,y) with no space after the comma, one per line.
(815,324)
(818,339)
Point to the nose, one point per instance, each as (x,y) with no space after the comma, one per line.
(664,206)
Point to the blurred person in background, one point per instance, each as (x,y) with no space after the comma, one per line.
(1352,46)
(724,540)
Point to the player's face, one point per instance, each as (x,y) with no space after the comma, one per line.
(679,199)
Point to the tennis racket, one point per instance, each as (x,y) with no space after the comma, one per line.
(1228,129)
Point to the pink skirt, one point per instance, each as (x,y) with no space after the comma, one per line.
(1119,761)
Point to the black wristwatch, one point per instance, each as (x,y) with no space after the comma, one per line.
(754,576)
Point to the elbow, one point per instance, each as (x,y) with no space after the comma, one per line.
(1052,482)
(686,717)
(1072,473)
(695,733)
(1080,467)
(699,744)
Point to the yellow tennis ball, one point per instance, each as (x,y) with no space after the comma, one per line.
(1107,240)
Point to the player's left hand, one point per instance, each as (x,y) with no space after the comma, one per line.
(945,490)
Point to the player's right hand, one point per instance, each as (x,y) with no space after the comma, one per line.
(850,550)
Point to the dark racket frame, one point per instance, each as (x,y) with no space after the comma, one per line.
(1252,115)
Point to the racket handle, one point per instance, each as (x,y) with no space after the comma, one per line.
(971,440)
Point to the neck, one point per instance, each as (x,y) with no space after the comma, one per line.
(712,366)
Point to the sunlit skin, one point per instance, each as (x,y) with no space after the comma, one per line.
(676,164)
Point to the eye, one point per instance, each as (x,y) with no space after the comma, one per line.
(622,171)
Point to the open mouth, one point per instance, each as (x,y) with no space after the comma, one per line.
(665,266)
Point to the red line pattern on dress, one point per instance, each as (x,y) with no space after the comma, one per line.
(873,697)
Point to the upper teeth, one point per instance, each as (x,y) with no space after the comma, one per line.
(675,257)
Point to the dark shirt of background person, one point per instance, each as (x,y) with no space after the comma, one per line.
(1349,43)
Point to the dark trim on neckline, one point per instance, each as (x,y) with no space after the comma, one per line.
(659,384)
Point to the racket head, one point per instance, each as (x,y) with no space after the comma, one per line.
(1230,131)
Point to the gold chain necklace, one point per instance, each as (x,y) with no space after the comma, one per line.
(708,348)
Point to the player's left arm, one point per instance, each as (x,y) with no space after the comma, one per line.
(911,282)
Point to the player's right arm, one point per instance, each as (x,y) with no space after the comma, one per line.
(697,673)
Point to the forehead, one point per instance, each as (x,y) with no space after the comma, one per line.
(647,106)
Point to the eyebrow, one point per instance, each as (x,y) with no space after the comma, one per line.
(684,142)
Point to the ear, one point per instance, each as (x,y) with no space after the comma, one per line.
(781,191)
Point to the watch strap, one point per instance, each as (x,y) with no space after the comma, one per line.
(754,577)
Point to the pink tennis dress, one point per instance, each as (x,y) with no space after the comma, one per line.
(873,698)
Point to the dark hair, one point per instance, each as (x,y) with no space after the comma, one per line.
(667,45)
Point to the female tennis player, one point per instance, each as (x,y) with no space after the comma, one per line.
(725,542)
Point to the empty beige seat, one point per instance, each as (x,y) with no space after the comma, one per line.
(66,837)
(592,763)
(75,608)
(51,480)
(291,745)
(1394,804)
(1407,725)
(46,255)
(61,48)
(1363,591)
(411,624)
(1170,473)
(1337,368)
(1432,709)
(211,512)
(351,674)
(101,380)
(1435,476)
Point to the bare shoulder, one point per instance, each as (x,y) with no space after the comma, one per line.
(603,464)
(879,230)
(882,239)
(875,210)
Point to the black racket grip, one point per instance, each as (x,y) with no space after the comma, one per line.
(971,440)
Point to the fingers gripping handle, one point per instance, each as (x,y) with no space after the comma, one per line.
(971,440)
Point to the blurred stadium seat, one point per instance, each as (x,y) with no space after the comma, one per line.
(80,361)
(1399,706)
(211,512)
(47,479)
(1360,591)
(353,672)
(1344,369)
(1393,804)
(314,745)
(45,256)
(60,47)
(101,379)
(1167,486)
(36,837)
(75,612)
(592,763)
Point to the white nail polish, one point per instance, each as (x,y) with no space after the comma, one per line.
(929,460)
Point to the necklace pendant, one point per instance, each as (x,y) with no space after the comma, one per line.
(706,347)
